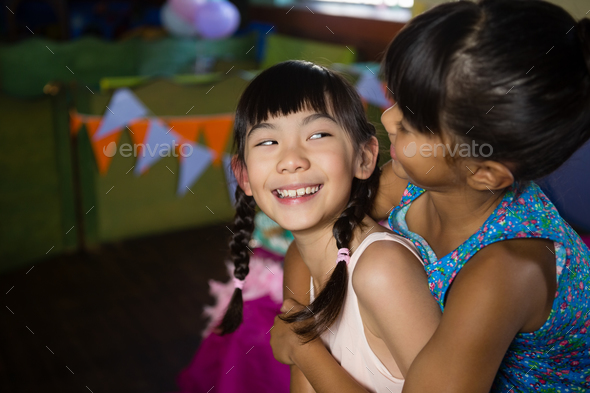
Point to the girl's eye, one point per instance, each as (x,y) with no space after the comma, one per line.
(266,143)
(319,135)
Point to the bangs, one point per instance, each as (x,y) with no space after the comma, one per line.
(294,86)
(427,46)
(284,90)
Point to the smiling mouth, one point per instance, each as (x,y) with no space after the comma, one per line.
(297,193)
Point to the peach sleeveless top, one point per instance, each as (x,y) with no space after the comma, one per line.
(346,338)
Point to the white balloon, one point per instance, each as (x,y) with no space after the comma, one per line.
(174,24)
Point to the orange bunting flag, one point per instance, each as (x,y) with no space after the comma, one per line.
(217,132)
(105,148)
(75,122)
(92,124)
(186,128)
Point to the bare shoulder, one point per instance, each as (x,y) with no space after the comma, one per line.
(523,257)
(394,300)
(516,274)
(383,265)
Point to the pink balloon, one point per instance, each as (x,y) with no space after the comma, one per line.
(217,19)
(185,9)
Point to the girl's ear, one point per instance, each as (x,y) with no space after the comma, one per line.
(241,175)
(489,175)
(367,159)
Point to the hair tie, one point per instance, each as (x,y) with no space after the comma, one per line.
(239,283)
(343,256)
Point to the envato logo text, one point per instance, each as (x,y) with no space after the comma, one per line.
(464,150)
(140,149)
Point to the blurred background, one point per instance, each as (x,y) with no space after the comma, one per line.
(113,239)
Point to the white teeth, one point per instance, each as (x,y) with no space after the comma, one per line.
(297,193)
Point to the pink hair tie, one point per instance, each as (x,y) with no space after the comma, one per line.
(343,255)
(239,283)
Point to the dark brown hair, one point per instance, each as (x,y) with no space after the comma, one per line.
(283,89)
(513,74)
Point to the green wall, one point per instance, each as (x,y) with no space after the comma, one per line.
(36,191)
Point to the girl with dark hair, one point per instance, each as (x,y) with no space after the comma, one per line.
(306,156)
(511,276)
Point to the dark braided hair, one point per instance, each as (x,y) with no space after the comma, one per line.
(243,227)
(283,89)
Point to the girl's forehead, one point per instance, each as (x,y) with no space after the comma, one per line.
(301,118)
(302,114)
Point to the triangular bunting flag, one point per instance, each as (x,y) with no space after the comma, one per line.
(138,131)
(370,89)
(159,142)
(230,178)
(186,128)
(192,166)
(217,132)
(104,150)
(75,122)
(123,108)
(92,125)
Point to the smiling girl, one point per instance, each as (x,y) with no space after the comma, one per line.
(306,156)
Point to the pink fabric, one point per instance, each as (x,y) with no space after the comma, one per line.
(241,361)
(586,239)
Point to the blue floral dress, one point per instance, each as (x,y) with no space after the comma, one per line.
(556,357)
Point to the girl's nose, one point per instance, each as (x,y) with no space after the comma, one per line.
(292,161)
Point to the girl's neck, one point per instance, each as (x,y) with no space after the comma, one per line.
(319,250)
(450,218)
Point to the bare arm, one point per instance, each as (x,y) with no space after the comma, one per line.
(500,292)
(323,371)
(395,301)
(391,189)
(296,280)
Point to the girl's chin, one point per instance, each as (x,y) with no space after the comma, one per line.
(398,169)
(295,223)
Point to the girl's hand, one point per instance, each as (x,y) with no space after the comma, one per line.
(283,340)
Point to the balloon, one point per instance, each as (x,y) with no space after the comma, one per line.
(218,19)
(185,9)
(174,24)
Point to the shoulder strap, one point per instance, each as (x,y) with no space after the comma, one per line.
(410,193)
(379,236)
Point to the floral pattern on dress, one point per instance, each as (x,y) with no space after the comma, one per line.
(556,357)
